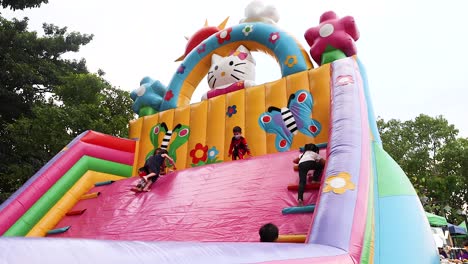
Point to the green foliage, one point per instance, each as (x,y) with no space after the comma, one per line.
(21,4)
(434,159)
(45,100)
(30,66)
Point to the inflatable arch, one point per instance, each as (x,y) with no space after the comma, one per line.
(291,57)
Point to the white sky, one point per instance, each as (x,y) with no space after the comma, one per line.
(415,51)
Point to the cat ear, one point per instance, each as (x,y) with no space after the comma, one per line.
(243,49)
(215,58)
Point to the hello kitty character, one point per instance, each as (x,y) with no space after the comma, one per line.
(231,73)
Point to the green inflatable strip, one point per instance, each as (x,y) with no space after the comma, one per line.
(368,235)
(63,185)
(391,179)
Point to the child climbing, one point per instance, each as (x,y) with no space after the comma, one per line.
(154,164)
(309,160)
(139,187)
(238,147)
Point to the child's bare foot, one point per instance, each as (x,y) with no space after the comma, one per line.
(300,202)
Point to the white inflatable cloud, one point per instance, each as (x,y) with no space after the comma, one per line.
(257,11)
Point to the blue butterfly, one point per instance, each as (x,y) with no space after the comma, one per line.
(287,121)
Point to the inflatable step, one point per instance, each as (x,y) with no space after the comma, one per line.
(103,183)
(58,230)
(77,212)
(291,238)
(299,209)
(90,195)
(308,187)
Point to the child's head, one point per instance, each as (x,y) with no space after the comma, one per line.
(268,233)
(157,151)
(311,147)
(237,131)
(163,151)
(142,171)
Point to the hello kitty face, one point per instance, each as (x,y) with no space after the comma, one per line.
(238,66)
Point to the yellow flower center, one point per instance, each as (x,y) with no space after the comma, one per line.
(199,153)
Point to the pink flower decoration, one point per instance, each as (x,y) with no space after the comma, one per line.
(181,69)
(169,95)
(202,48)
(224,35)
(274,37)
(339,33)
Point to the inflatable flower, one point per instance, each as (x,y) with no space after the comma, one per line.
(339,183)
(291,60)
(232,110)
(212,153)
(199,153)
(333,39)
(148,97)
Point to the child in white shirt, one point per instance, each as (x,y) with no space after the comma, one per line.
(309,160)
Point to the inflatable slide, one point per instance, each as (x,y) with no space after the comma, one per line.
(79,208)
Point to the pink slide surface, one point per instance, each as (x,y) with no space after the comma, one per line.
(216,202)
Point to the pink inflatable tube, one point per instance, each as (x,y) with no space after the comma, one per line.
(30,194)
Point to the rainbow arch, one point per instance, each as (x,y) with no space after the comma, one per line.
(291,57)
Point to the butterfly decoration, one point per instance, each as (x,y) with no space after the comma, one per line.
(288,121)
(182,133)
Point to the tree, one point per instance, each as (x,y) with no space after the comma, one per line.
(45,100)
(435,160)
(30,66)
(22,4)
(83,102)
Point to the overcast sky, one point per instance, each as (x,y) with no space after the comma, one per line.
(415,51)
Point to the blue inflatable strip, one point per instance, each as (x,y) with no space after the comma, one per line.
(299,209)
(103,183)
(370,107)
(58,230)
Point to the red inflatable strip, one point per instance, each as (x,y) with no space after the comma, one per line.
(76,212)
(309,186)
(108,141)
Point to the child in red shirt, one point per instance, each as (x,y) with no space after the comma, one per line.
(238,147)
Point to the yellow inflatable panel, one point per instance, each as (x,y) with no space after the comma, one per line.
(275,95)
(254,107)
(182,116)
(319,88)
(66,203)
(234,100)
(210,122)
(135,128)
(217,114)
(145,142)
(197,141)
